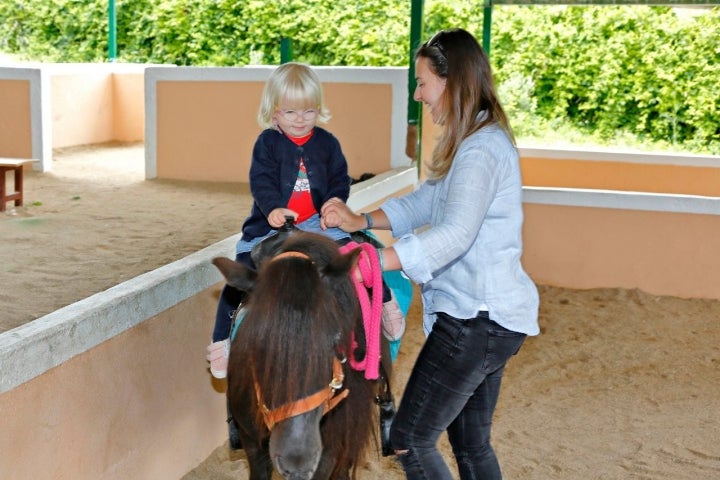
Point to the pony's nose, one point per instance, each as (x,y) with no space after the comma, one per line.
(290,471)
(296,445)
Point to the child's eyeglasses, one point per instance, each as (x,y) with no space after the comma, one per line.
(294,115)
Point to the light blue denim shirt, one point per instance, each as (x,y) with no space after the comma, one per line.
(469,258)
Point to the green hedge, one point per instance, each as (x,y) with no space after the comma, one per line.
(607,71)
(644,71)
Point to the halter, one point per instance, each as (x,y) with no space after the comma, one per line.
(290,253)
(328,397)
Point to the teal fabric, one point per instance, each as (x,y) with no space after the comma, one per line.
(238,321)
(402,289)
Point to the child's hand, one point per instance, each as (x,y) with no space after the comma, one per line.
(276,219)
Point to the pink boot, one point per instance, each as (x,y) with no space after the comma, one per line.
(217,355)
(393,320)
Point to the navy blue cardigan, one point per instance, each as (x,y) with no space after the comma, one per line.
(274,171)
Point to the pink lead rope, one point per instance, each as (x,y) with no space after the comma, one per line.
(370,305)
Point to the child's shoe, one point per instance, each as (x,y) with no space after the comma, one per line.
(217,355)
(393,320)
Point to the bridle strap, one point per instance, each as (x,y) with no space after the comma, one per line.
(289,254)
(328,397)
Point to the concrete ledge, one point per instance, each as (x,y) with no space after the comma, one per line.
(32,349)
(655,202)
(369,192)
(577,152)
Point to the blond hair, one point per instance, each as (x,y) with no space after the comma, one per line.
(292,82)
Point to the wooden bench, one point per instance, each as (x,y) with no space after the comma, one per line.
(16,165)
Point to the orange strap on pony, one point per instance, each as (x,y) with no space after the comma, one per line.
(328,397)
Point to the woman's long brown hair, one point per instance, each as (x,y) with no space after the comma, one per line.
(456,56)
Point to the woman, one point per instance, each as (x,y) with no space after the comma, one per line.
(479,304)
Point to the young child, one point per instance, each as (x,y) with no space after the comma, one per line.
(296,168)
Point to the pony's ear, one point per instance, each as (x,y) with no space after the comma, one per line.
(344,263)
(237,275)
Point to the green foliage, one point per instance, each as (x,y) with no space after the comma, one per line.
(233,32)
(54,30)
(610,72)
(617,71)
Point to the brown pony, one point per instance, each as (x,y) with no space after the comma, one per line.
(299,318)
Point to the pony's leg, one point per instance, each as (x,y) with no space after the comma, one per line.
(258,457)
(326,467)
(385,357)
(233,431)
(385,399)
(255,445)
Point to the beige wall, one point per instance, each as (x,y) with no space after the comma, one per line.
(202,120)
(82,109)
(622,175)
(663,253)
(141,405)
(15,125)
(206,130)
(603,169)
(49,106)
(362,121)
(202,123)
(618,218)
(128,98)
(97,105)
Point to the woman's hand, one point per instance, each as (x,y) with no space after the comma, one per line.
(335,213)
(276,219)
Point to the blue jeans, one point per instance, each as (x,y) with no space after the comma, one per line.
(454,386)
(230,300)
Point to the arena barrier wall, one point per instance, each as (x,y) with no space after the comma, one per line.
(202,122)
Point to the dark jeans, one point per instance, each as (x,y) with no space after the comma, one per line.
(454,386)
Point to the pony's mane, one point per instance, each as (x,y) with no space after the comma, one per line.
(300,315)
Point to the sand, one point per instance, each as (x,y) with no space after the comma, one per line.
(620,384)
(93,221)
